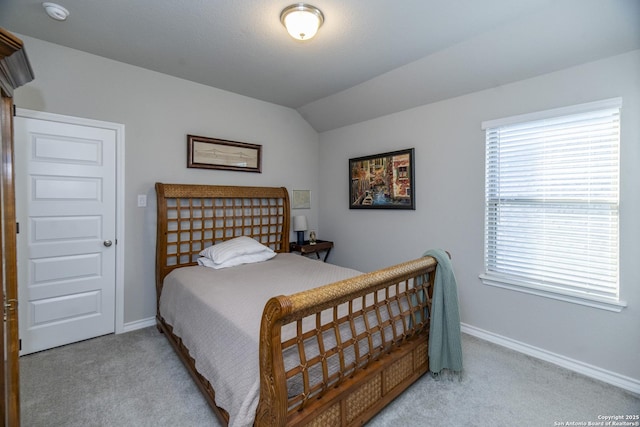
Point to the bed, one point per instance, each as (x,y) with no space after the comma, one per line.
(289,341)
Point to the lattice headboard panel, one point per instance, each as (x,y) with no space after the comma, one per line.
(193,217)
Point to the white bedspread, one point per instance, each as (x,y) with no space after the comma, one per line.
(217,315)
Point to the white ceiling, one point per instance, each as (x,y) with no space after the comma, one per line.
(370,58)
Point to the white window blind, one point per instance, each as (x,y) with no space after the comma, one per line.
(551,214)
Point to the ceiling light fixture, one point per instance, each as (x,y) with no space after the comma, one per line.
(56,11)
(301,20)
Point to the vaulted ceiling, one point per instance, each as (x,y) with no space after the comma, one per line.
(370,58)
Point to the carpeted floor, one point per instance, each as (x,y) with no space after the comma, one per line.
(135,379)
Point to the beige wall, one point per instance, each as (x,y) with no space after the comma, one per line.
(158,112)
(449,147)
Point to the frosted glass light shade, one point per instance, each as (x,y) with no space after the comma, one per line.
(302,20)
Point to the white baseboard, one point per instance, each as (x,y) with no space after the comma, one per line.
(622,381)
(139,324)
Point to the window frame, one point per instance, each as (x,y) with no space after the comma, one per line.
(506,281)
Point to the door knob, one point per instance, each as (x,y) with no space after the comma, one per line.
(107,243)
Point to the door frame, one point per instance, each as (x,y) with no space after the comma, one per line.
(120,242)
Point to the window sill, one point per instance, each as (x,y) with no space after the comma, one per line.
(601,303)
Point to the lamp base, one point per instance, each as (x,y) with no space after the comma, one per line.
(300,238)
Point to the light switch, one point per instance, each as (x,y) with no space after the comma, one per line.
(142,200)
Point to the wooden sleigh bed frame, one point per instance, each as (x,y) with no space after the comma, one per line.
(398,299)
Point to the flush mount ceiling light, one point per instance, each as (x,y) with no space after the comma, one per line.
(56,11)
(301,20)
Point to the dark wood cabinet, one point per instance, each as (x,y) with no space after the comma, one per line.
(15,71)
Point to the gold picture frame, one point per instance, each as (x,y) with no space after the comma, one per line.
(214,153)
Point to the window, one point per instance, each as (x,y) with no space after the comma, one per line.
(551,203)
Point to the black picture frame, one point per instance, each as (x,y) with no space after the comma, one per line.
(214,153)
(382,181)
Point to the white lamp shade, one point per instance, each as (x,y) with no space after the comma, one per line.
(302,21)
(300,223)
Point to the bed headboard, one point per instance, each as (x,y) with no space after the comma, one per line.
(193,217)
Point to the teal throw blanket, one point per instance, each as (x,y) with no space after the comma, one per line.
(445,346)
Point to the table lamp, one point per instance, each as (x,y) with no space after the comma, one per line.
(300,226)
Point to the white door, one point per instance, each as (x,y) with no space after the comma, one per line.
(66,207)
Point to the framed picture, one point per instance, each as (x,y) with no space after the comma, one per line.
(382,181)
(213,153)
(301,199)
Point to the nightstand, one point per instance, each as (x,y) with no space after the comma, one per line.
(307,248)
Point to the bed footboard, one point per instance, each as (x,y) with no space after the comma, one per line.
(337,354)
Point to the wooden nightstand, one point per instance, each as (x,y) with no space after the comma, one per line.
(307,248)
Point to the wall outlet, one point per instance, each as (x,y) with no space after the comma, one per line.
(142,200)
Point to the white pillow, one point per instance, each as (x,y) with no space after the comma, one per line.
(223,252)
(206,262)
(241,259)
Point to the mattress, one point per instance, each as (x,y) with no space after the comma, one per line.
(217,315)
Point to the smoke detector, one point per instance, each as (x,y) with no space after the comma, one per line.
(56,11)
